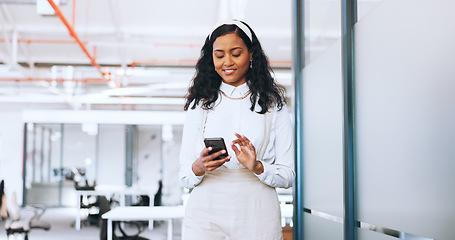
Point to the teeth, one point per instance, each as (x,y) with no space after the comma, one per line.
(228,70)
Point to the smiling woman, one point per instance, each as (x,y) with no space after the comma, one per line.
(234,197)
(231,59)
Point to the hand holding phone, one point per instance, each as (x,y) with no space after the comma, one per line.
(205,161)
(217,145)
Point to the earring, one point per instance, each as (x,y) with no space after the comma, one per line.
(251,63)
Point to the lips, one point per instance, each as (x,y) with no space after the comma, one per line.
(228,71)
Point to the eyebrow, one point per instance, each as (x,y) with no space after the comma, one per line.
(219,50)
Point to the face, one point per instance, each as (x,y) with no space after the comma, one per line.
(231,59)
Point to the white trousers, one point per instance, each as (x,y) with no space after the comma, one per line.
(232,204)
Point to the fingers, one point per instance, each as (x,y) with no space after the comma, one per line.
(243,141)
(216,154)
(205,151)
(214,164)
(234,148)
(242,147)
(208,160)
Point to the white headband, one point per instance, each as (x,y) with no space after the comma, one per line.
(240,25)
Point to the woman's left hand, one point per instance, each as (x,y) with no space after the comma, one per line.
(246,154)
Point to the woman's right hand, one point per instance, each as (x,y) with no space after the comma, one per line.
(206,161)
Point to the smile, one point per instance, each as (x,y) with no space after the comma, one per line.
(228,71)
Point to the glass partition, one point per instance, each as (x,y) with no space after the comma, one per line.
(364,7)
(321,229)
(80,151)
(322,121)
(59,155)
(405,118)
(42,167)
(404,131)
(322,27)
(372,235)
(322,127)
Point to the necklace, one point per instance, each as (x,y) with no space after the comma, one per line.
(239,98)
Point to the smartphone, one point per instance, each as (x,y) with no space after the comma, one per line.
(217,144)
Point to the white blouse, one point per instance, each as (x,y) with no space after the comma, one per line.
(231,116)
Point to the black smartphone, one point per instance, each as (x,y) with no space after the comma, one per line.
(217,144)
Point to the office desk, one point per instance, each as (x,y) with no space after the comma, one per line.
(168,213)
(108,191)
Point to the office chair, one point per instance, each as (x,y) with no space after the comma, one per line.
(105,206)
(88,202)
(17,224)
(3,212)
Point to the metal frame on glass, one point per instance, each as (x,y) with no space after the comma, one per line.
(299,63)
(349,18)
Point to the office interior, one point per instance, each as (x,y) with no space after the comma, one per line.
(94,95)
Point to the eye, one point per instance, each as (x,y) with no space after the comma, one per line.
(236,53)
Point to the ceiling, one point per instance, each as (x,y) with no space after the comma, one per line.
(131,54)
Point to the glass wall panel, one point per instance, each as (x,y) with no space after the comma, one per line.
(43,167)
(365,6)
(322,118)
(322,27)
(405,117)
(372,235)
(89,152)
(322,128)
(79,156)
(321,229)
(79,152)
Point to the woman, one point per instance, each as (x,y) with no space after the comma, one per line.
(233,95)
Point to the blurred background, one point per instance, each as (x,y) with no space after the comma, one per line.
(92,91)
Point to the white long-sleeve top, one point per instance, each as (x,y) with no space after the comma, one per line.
(231,116)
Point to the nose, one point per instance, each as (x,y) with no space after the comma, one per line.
(228,61)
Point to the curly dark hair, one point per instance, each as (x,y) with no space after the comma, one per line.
(206,82)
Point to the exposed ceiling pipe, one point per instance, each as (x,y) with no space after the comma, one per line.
(52,80)
(5,33)
(97,100)
(108,44)
(284,64)
(50,41)
(115,19)
(74,13)
(24,49)
(165,62)
(10,60)
(73,34)
(14,47)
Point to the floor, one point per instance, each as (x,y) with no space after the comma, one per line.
(62,227)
